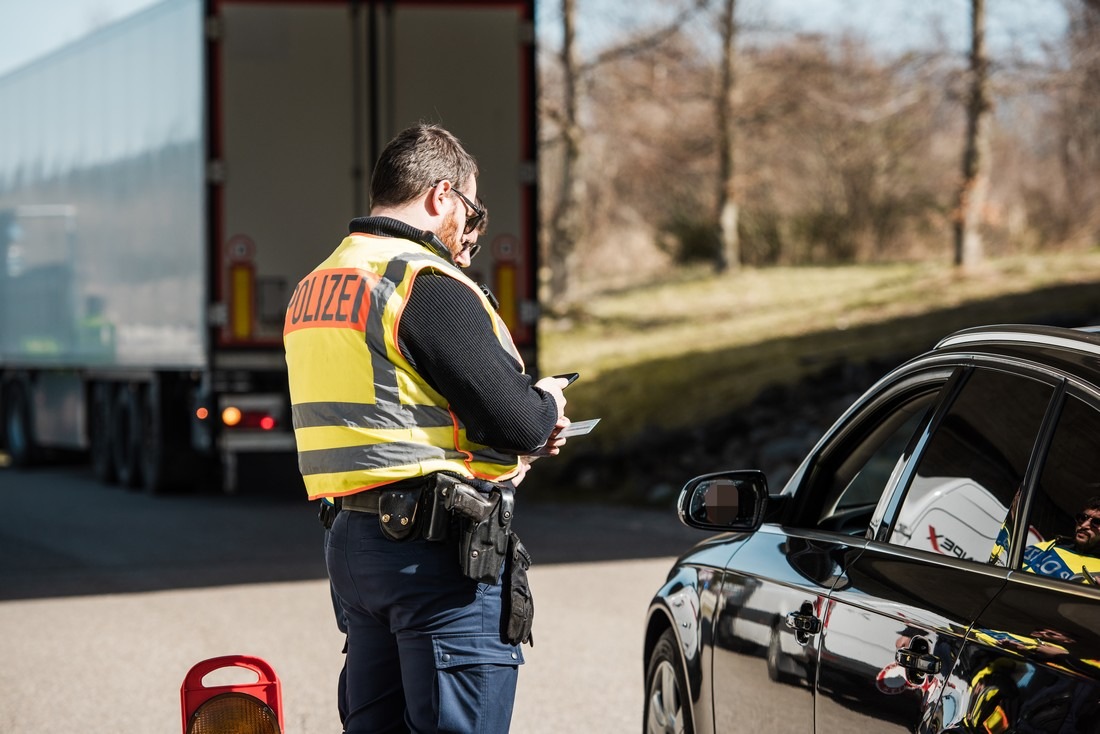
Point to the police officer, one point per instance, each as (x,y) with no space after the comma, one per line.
(1073,558)
(401,372)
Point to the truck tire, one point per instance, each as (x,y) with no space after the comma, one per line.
(100,433)
(162,454)
(18,426)
(126,435)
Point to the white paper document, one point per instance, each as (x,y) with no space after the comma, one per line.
(579,428)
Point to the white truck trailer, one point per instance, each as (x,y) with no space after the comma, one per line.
(167,180)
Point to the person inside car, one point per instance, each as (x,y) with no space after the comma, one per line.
(1074,558)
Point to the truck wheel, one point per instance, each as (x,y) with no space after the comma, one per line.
(161,454)
(19,427)
(100,431)
(126,435)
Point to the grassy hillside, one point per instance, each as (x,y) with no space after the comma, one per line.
(699,346)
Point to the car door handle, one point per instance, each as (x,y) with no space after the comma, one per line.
(803,621)
(918,661)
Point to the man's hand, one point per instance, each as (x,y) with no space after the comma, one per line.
(554,386)
(524,465)
(556,440)
(553,445)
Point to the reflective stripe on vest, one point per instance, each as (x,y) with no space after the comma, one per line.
(363,416)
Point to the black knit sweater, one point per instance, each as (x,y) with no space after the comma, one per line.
(447,336)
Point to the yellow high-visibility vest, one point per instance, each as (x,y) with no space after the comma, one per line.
(1062,562)
(363,417)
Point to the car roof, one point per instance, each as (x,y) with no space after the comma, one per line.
(1075,350)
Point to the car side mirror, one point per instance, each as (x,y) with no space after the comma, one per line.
(733,500)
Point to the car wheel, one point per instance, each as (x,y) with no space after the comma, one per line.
(666,709)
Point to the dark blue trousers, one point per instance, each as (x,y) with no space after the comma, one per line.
(424,650)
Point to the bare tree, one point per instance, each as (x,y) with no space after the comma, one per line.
(729,257)
(1079,122)
(568,209)
(855,153)
(567,217)
(975,176)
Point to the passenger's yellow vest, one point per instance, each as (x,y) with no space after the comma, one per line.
(363,417)
(1051,559)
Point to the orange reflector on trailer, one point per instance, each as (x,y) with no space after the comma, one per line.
(242,279)
(507,293)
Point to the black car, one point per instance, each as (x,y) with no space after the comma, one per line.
(933,565)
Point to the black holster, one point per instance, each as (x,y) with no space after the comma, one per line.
(484,520)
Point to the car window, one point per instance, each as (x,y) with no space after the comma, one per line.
(1063,529)
(853,475)
(972,466)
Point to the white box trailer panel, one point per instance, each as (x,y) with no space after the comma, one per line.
(307,93)
(285,140)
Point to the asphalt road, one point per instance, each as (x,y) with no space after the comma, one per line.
(107,598)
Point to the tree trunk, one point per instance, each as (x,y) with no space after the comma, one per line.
(729,255)
(567,219)
(975,173)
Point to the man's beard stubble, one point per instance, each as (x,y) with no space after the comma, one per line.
(448,233)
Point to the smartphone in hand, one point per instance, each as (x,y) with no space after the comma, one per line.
(570,376)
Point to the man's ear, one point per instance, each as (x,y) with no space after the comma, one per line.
(436,194)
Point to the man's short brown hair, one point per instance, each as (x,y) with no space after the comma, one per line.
(417,158)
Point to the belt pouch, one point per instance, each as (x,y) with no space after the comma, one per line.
(326,513)
(519,612)
(397,514)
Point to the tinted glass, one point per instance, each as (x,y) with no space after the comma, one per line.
(857,473)
(1063,538)
(974,463)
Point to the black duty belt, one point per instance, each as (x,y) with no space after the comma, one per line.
(366,501)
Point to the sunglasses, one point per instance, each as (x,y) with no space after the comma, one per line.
(472,220)
(472,249)
(1083,519)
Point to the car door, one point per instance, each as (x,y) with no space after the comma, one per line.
(762,670)
(767,618)
(1031,663)
(892,632)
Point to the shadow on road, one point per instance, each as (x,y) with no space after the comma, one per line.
(64,534)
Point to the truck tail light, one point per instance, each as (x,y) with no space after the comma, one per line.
(234,417)
(241,708)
